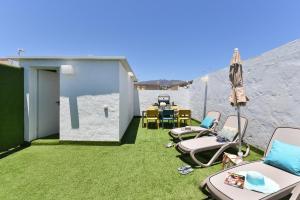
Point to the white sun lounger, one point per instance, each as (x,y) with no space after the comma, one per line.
(216,187)
(179,132)
(205,143)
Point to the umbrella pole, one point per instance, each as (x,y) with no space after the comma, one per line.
(205,101)
(240,153)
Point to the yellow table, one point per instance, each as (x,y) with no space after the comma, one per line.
(175,108)
(152,108)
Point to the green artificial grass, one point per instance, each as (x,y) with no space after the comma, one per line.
(11,107)
(140,168)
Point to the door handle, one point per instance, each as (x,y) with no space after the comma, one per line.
(57,102)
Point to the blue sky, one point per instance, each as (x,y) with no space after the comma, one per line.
(162,39)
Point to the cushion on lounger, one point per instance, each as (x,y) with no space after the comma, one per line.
(228,133)
(207,122)
(284,156)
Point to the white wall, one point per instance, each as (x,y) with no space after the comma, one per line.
(82,97)
(126,100)
(273,85)
(144,98)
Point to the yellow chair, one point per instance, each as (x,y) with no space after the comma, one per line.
(152,115)
(185,116)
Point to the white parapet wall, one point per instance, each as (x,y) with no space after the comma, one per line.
(272,83)
(145,98)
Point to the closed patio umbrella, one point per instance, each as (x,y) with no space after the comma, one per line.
(238,97)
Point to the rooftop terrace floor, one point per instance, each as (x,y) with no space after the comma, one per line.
(140,168)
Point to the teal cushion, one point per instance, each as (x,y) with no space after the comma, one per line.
(207,122)
(284,156)
(228,133)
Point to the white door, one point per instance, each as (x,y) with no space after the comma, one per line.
(48,103)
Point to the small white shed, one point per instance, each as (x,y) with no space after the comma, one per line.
(81,98)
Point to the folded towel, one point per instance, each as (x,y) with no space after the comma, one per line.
(222,139)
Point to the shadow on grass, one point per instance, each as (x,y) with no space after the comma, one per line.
(168,125)
(204,157)
(54,140)
(131,132)
(48,140)
(128,138)
(14,150)
(152,125)
(185,137)
(54,136)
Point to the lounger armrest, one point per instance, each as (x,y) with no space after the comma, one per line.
(214,126)
(203,187)
(247,150)
(296,193)
(205,132)
(216,155)
(224,147)
(214,133)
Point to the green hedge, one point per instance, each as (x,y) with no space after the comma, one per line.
(11,107)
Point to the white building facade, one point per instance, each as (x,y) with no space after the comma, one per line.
(81,98)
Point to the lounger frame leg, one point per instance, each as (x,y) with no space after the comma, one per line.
(173,136)
(296,193)
(198,134)
(213,159)
(247,151)
(203,187)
